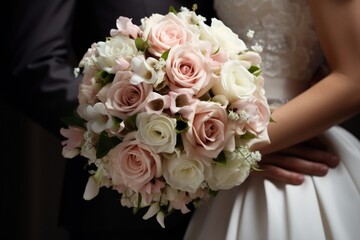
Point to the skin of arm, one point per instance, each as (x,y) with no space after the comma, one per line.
(337,96)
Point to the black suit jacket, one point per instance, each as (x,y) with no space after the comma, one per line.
(45,40)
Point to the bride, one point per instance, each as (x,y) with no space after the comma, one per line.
(322,207)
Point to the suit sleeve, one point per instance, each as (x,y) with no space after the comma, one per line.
(40,80)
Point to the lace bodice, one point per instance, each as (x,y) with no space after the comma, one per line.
(291,53)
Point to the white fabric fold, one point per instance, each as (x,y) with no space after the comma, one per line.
(320,208)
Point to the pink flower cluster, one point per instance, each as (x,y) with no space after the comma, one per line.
(168,112)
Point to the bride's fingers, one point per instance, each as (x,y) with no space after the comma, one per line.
(295,164)
(290,165)
(277,174)
(313,154)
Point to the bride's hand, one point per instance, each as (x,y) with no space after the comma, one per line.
(290,165)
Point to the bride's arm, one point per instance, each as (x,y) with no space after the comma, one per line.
(336,97)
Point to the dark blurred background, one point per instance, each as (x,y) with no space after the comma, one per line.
(31,180)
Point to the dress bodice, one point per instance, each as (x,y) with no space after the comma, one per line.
(284,29)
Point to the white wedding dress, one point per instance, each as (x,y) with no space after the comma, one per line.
(322,207)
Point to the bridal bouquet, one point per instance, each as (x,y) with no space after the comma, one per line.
(168,111)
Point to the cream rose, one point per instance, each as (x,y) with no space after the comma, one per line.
(233,173)
(114,48)
(222,36)
(184,173)
(157,131)
(235,82)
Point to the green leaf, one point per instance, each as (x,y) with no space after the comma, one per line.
(248,136)
(255,70)
(217,51)
(165,54)
(172,9)
(74,120)
(130,123)
(179,143)
(139,201)
(220,159)
(105,144)
(116,121)
(140,44)
(213,192)
(105,77)
(181,125)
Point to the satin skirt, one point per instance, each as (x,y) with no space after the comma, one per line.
(321,208)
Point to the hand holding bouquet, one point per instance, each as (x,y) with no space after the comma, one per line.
(168,112)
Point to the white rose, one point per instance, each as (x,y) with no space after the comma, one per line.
(233,173)
(114,48)
(183,173)
(222,36)
(235,82)
(157,131)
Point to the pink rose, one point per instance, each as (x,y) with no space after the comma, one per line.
(125,27)
(133,164)
(167,32)
(208,133)
(124,98)
(188,70)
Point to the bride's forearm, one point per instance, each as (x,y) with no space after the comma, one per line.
(329,102)
(336,97)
